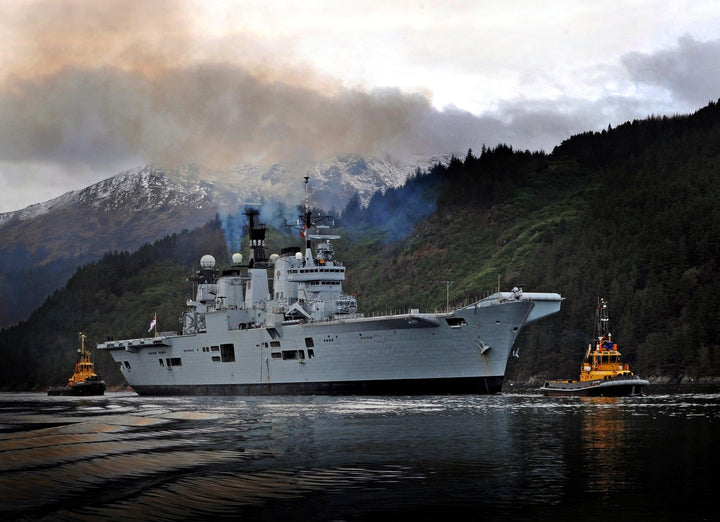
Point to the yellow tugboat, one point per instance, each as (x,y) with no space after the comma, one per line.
(602,373)
(84,381)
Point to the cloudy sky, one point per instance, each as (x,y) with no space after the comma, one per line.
(90,88)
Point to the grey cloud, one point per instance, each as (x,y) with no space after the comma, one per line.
(85,119)
(220,115)
(213,115)
(690,71)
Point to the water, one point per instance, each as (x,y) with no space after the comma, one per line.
(513,456)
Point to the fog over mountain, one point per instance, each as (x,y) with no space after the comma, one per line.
(89,89)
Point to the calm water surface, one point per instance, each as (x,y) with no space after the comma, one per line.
(513,456)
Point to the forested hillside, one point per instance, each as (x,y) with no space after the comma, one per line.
(629,214)
(117,296)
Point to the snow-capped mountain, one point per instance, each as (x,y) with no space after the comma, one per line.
(141,205)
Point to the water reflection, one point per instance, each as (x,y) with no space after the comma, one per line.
(604,443)
(520,456)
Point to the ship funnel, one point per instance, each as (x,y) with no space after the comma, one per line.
(257,238)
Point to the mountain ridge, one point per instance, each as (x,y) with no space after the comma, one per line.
(42,244)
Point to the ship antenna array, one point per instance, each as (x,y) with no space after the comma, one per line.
(307,220)
(308,223)
(307,194)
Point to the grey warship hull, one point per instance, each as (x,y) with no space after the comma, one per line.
(457,386)
(303,335)
(461,352)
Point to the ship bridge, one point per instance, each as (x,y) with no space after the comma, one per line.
(315,273)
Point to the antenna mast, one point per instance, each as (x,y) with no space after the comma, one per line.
(308,216)
(307,194)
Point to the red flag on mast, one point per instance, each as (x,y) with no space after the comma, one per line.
(153,323)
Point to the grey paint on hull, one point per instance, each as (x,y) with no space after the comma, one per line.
(469,385)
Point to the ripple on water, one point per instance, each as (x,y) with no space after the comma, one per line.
(129,457)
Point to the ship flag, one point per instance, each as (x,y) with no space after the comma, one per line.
(153,323)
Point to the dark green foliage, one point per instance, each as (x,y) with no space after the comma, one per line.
(629,214)
(649,241)
(392,215)
(116,296)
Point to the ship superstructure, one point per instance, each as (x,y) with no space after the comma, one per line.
(304,335)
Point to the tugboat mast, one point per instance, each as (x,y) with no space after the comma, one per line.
(603,321)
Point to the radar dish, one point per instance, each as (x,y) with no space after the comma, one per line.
(207,261)
(237,259)
(298,256)
(273,258)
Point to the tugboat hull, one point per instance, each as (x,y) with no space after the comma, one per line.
(620,387)
(80,389)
